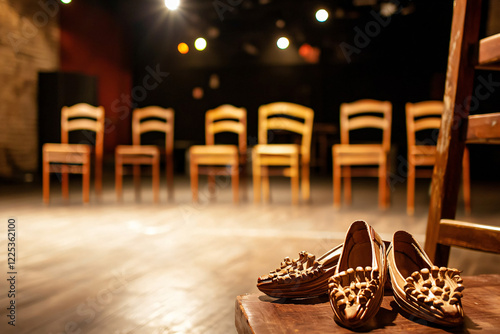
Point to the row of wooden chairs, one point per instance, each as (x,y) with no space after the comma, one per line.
(210,159)
(364,114)
(229,160)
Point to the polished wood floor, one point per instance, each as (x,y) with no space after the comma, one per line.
(178,267)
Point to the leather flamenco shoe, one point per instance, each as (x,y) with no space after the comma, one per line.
(420,288)
(356,289)
(301,278)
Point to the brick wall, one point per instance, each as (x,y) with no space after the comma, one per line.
(29,43)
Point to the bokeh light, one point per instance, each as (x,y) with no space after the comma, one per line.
(172,4)
(321,15)
(200,44)
(183,48)
(283,43)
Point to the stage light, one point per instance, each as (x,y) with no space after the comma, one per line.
(66,1)
(321,15)
(283,43)
(183,48)
(172,4)
(200,44)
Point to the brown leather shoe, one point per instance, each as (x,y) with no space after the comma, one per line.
(419,287)
(357,287)
(301,278)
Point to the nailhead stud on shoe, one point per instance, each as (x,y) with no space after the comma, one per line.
(421,288)
(356,289)
(301,278)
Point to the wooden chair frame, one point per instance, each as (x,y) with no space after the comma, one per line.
(466,53)
(212,159)
(144,120)
(353,117)
(283,116)
(66,158)
(426,115)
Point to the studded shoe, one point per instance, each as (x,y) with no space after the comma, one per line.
(356,289)
(419,287)
(301,278)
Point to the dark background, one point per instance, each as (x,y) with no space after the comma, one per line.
(402,59)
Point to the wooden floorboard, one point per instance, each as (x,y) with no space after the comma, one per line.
(177,267)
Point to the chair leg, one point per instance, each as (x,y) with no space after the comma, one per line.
(256,177)
(46,182)
(243,178)
(265,183)
(211,184)
(346,171)
(98,177)
(235,176)
(193,171)
(410,188)
(65,182)
(306,185)
(156,178)
(170,177)
(466,180)
(86,180)
(337,179)
(118,178)
(137,181)
(295,182)
(382,185)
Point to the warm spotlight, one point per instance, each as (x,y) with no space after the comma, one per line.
(200,44)
(283,43)
(321,15)
(66,1)
(172,4)
(183,48)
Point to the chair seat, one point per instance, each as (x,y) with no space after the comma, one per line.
(213,149)
(277,149)
(214,154)
(66,153)
(423,155)
(137,150)
(360,154)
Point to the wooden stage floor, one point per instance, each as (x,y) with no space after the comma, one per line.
(178,267)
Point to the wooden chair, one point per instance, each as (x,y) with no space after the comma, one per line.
(457,127)
(426,115)
(360,115)
(67,158)
(144,120)
(291,158)
(211,159)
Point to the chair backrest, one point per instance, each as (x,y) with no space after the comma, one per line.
(457,129)
(289,117)
(227,118)
(364,114)
(154,119)
(425,115)
(83,116)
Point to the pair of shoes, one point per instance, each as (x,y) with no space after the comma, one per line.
(304,277)
(354,274)
(419,287)
(356,289)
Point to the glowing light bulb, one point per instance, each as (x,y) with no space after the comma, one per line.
(321,15)
(200,44)
(66,1)
(183,48)
(283,43)
(172,4)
